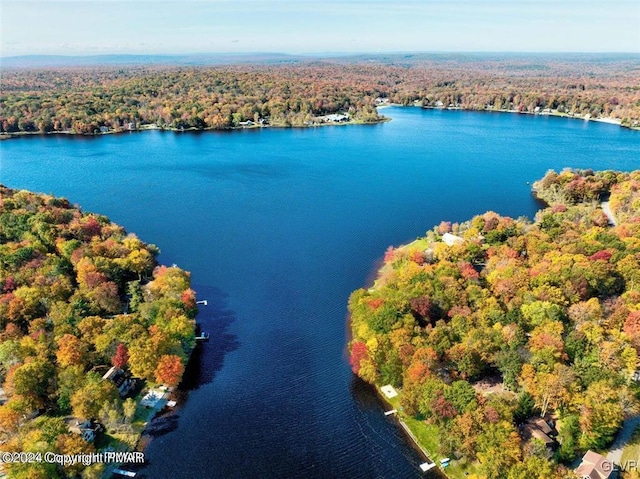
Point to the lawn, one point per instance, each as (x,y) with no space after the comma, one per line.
(427,436)
(631,452)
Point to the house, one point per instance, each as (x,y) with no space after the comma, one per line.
(337,118)
(104,129)
(120,379)
(450,239)
(533,432)
(542,425)
(3,396)
(82,427)
(594,466)
(538,428)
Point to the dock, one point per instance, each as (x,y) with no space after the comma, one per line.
(124,473)
(202,302)
(425,466)
(203,337)
(389,413)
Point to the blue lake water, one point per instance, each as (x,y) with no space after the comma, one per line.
(278,226)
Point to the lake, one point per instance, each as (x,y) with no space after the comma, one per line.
(277,227)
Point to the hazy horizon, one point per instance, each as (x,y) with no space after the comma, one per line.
(151,27)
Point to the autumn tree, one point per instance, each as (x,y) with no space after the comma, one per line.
(169,370)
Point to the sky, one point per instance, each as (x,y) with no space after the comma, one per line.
(91,27)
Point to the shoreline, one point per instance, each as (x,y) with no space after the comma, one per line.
(153,126)
(382,119)
(608,120)
(409,434)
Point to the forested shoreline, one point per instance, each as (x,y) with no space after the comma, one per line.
(88,320)
(489,326)
(92,100)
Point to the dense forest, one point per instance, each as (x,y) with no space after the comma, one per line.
(79,295)
(88,100)
(488,326)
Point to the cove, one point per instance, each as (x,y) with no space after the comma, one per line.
(277,227)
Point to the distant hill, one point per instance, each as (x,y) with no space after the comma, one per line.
(410,58)
(33,61)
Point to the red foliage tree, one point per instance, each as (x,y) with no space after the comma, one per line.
(468,271)
(189,298)
(121,357)
(389,255)
(444,227)
(91,227)
(359,352)
(421,306)
(442,409)
(417,257)
(632,325)
(375,303)
(602,255)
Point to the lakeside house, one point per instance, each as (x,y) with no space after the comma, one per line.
(451,240)
(594,466)
(118,377)
(81,427)
(333,118)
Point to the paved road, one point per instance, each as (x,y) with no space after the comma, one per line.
(628,426)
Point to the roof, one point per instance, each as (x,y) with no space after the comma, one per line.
(450,239)
(594,466)
(538,434)
(531,431)
(112,372)
(542,425)
(389,391)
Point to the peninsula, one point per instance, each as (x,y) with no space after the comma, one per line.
(513,345)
